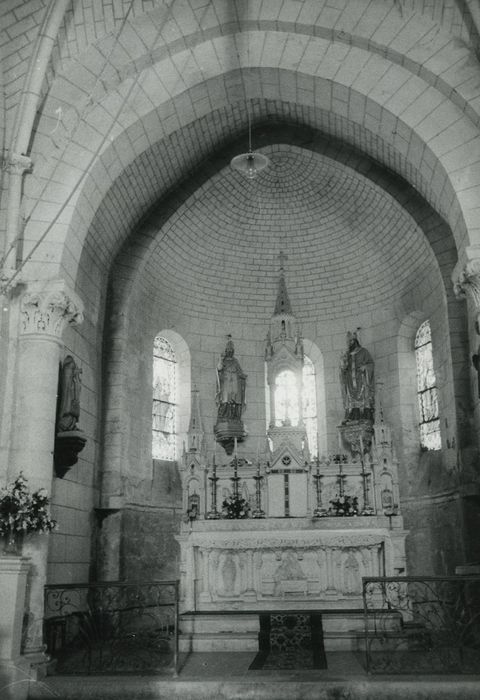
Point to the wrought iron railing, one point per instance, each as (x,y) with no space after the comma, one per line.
(112,627)
(422,624)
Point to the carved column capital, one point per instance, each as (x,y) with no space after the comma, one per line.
(17,164)
(48,307)
(466,285)
(467,282)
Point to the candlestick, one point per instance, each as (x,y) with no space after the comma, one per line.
(340,479)
(319,511)
(213,513)
(258,512)
(367,508)
(235,478)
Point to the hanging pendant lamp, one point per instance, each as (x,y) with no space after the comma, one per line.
(251,163)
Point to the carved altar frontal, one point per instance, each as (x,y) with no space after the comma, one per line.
(285,563)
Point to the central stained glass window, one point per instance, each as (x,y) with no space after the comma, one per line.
(287,407)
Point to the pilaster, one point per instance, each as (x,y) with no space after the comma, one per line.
(16,165)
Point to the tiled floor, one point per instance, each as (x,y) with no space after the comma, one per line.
(235,664)
(225,676)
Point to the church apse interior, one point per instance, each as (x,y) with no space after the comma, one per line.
(129,241)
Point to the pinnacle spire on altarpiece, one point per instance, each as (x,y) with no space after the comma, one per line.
(282,303)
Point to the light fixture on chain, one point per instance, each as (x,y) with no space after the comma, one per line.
(251,163)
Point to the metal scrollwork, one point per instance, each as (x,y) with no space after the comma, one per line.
(112,627)
(422,625)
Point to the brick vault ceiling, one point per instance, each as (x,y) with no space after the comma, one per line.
(350,245)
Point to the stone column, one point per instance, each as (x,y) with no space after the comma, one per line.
(45,310)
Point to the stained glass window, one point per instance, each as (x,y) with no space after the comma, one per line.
(164,400)
(287,409)
(286,399)
(427,390)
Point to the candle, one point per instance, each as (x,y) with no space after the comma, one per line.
(235,447)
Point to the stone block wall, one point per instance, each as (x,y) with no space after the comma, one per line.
(149,549)
(436,544)
(150,522)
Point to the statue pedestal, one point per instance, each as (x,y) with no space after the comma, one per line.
(14,669)
(226,431)
(357,435)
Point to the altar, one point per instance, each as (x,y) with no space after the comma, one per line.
(288,529)
(280,564)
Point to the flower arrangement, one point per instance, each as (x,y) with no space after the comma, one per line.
(344,505)
(23,512)
(235,507)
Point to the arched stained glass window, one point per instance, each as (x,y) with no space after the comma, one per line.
(427,390)
(286,399)
(287,409)
(164,400)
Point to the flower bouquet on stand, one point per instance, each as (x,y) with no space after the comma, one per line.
(21,513)
(344,505)
(235,507)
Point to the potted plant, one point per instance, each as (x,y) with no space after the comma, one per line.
(22,512)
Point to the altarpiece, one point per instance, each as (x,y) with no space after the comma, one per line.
(315,524)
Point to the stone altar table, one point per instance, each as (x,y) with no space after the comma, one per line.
(286,563)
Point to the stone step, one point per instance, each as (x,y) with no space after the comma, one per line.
(231,631)
(275,686)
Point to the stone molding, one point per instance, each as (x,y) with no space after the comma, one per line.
(270,541)
(48,307)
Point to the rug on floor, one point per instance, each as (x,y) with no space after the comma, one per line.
(290,641)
